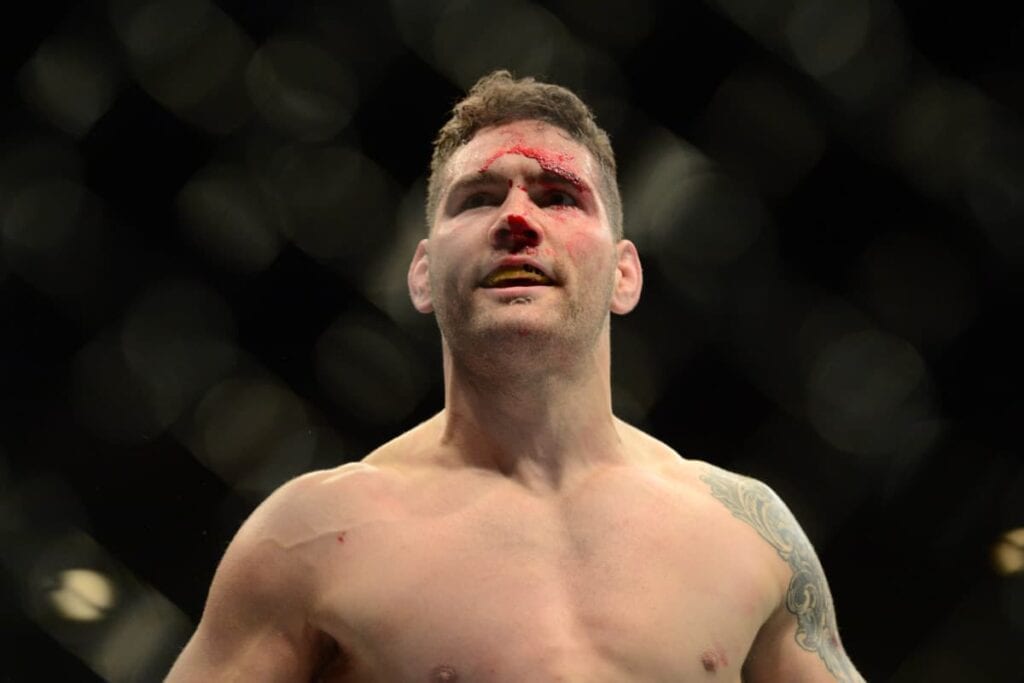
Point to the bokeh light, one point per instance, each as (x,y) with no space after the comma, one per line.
(207,212)
(189,56)
(230,219)
(132,384)
(53,237)
(253,432)
(300,88)
(82,594)
(763,131)
(866,390)
(1008,553)
(71,81)
(369,371)
(335,198)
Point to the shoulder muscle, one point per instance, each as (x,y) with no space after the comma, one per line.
(809,620)
(256,614)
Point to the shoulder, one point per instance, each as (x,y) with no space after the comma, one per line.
(753,506)
(320,501)
(315,502)
(270,564)
(739,506)
(699,476)
(256,619)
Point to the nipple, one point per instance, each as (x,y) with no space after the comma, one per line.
(713,658)
(443,674)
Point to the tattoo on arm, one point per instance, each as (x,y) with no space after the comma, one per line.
(807,597)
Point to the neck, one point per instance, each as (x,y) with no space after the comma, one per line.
(537,420)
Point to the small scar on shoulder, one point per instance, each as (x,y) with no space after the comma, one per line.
(341,537)
(443,674)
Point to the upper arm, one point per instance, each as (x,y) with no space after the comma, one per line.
(800,641)
(254,625)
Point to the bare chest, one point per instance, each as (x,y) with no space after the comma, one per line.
(620,583)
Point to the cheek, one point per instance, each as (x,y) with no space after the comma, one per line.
(581,247)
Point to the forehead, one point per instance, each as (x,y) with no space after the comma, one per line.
(550,147)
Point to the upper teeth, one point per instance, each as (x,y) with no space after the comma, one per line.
(521,272)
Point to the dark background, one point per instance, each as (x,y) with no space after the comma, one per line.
(207,211)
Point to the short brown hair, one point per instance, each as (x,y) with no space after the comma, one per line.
(499,98)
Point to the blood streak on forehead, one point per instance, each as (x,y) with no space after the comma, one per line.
(553,162)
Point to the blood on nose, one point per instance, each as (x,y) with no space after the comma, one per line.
(521,230)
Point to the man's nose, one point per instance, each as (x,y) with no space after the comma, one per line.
(514,233)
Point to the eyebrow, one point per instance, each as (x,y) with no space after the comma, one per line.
(481,179)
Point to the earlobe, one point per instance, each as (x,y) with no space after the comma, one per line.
(419,279)
(629,278)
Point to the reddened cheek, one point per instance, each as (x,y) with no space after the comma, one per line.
(579,244)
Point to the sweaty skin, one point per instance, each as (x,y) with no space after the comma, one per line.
(523,533)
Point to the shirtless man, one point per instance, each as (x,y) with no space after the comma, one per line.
(523,534)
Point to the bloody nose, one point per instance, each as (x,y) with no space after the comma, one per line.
(522,234)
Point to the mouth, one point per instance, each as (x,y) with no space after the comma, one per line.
(520,275)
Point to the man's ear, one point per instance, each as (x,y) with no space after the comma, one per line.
(419,279)
(629,278)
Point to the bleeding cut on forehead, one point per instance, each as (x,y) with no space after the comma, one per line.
(520,219)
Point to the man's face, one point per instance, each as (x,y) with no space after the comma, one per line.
(521,245)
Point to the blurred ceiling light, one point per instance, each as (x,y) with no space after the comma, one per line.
(620,23)
(663,163)
(1008,553)
(715,221)
(156,31)
(94,607)
(918,287)
(143,641)
(71,82)
(178,338)
(754,16)
(230,219)
(471,39)
(243,426)
(370,373)
(767,313)
(873,75)
(44,217)
(763,131)
(935,128)
(300,88)
(994,171)
(824,35)
(867,392)
(82,595)
(30,160)
(385,283)
(415,22)
(52,234)
(684,211)
(339,203)
(189,56)
(109,399)
(855,49)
